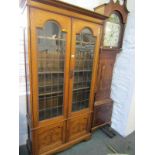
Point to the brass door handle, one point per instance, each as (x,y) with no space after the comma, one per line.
(64,30)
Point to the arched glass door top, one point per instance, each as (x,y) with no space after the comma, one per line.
(51,57)
(84,55)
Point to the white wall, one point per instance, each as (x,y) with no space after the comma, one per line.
(123,79)
(22,120)
(22,84)
(131,119)
(22,89)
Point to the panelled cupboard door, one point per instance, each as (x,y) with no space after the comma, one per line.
(49,137)
(83,67)
(78,126)
(50,52)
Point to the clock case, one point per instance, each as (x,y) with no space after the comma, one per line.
(103,104)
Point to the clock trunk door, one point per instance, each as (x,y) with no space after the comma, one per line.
(83,63)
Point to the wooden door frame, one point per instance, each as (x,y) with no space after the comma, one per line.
(77,26)
(38,18)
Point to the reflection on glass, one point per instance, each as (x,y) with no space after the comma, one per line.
(51,55)
(112,31)
(85,45)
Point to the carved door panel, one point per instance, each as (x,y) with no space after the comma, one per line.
(105,71)
(78,126)
(49,137)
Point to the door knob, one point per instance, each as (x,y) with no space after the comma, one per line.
(72,56)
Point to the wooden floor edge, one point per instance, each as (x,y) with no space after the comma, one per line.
(67,145)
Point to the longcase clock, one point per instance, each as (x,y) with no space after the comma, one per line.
(111,44)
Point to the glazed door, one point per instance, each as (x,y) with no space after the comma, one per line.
(83,63)
(50,42)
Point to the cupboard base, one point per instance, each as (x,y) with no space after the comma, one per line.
(66,145)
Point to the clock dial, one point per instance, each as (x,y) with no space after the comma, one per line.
(114,1)
(112,31)
(121,2)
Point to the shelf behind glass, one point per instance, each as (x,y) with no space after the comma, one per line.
(83,42)
(81,88)
(50,38)
(51,72)
(51,93)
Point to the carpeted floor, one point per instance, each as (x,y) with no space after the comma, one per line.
(99,144)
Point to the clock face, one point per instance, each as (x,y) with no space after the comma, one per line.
(114,1)
(112,32)
(121,2)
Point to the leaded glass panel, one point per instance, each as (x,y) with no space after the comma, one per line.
(51,57)
(85,46)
